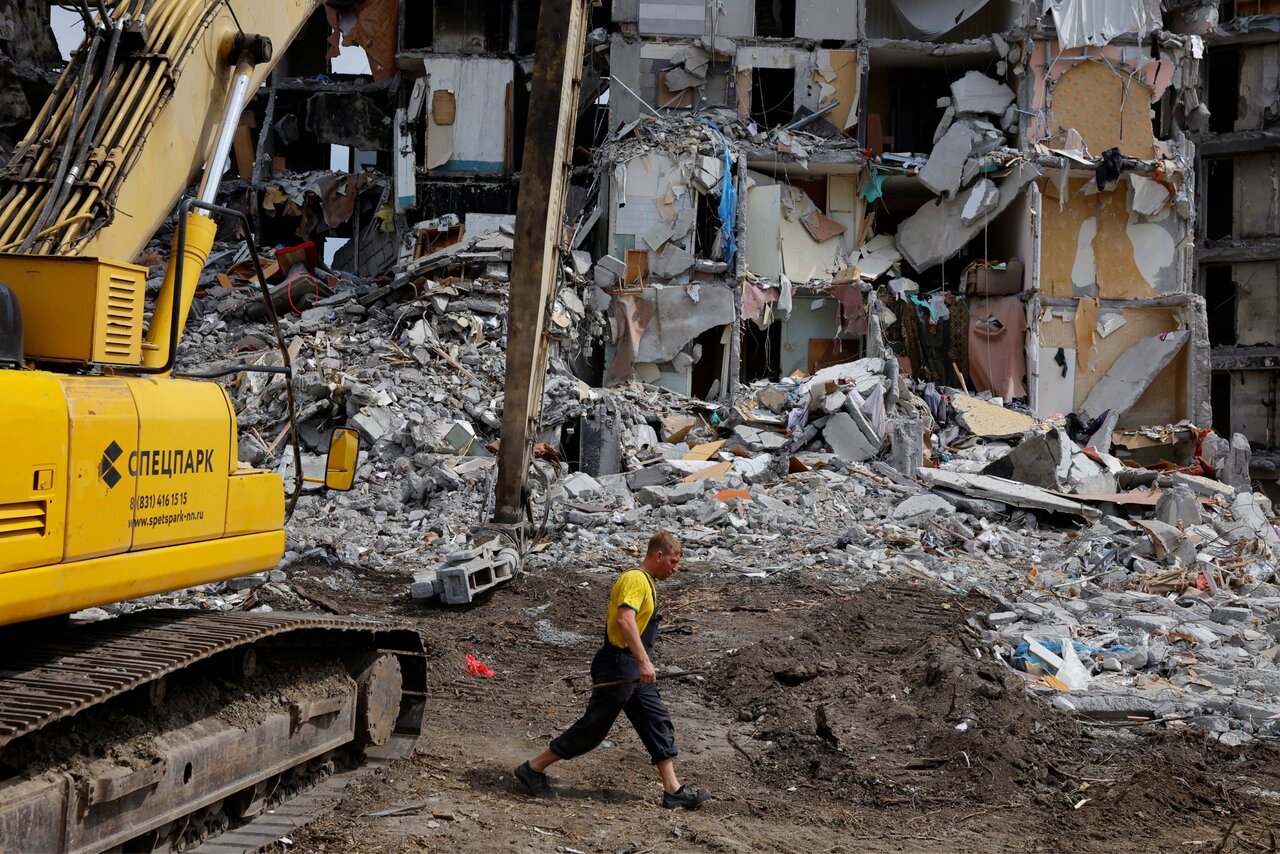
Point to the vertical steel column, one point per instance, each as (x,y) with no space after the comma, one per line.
(535,254)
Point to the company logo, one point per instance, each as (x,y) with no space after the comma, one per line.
(107,466)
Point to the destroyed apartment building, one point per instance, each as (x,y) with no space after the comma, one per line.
(1003,195)
(1237,136)
(943,335)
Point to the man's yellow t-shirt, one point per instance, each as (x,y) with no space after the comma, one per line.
(634,589)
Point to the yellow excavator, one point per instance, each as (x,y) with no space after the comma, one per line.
(120,478)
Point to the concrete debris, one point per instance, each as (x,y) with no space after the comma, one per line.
(937,232)
(944,172)
(975,92)
(1133,374)
(778,391)
(971,493)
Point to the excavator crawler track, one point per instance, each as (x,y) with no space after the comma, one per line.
(206,773)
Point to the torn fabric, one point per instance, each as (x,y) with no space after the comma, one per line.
(925,20)
(632,314)
(997,346)
(853,311)
(1096,22)
(727,210)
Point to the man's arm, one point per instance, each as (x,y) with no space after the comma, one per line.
(631,634)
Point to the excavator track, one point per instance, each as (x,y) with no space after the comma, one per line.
(208,771)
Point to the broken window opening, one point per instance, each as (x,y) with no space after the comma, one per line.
(470,26)
(1220,304)
(1223,89)
(706,225)
(776,19)
(902,107)
(1219,203)
(291,145)
(439,197)
(772,96)
(761,352)
(416,26)
(705,374)
(526,26)
(307,55)
(1229,9)
(1220,402)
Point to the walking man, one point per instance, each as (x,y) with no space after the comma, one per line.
(631,627)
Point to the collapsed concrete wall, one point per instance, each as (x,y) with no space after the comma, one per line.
(1006,207)
(1061,153)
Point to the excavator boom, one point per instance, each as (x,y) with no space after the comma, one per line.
(132,121)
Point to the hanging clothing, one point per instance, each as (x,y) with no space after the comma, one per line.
(853,310)
(997,346)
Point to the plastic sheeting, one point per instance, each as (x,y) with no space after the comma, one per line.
(1096,22)
(728,201)
(928,19)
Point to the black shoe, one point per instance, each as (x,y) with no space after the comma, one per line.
(685,798)
(536,782)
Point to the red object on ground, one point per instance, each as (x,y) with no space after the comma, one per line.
(476,667)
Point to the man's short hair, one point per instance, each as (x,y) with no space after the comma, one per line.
(665,542)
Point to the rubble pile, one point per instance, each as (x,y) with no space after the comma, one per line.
(1127,592)
(1140,585)
(414,362)
(1134,571)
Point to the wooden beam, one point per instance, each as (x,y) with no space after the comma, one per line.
(544,178)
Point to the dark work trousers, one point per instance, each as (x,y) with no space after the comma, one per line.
(643,707)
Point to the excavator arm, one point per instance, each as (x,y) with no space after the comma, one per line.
(535,271)
(134,118)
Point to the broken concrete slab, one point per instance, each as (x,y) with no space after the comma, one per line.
(978,93)
(936,232)
(1202,486)
(580,485)
(944,172)
(982,198)
(906,453)
(1148,197)
(1248,518)
(659,496)
(1238,459)
(847,439)
(1041,461)
(756,438)
(1178,506)
(863,423)
(1005,491)
(1132,374)
(985,419)
(919,508)
(973,506)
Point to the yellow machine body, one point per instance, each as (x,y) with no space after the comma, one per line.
(123,487)
(79,309)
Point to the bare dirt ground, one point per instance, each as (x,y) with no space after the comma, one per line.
(823,721)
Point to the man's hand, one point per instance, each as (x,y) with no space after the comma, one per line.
(630,633)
